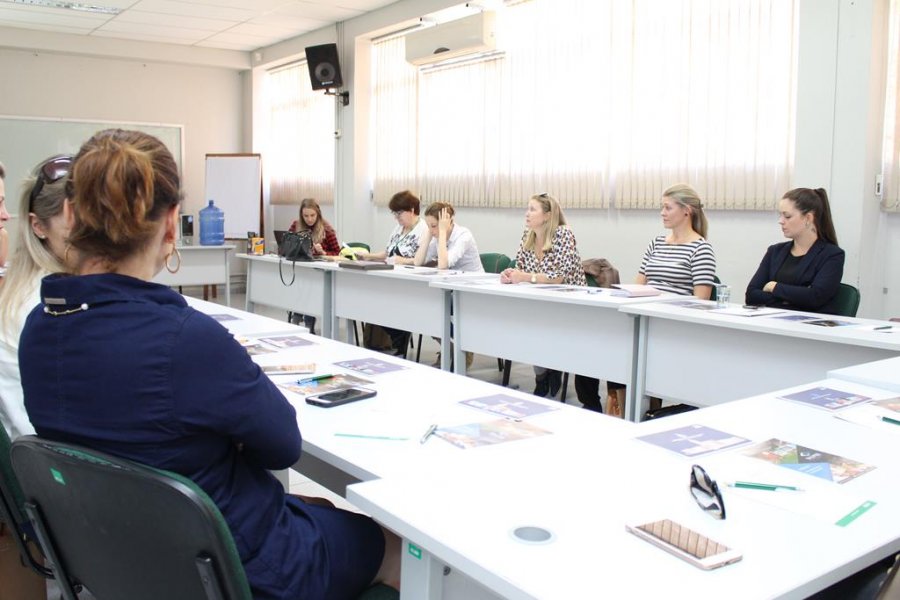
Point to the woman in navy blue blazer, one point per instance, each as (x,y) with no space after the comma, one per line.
(804,273)
(123,365)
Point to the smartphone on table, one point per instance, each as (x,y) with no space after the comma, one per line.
(686,544)
(338,397)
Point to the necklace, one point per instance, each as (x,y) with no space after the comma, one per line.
(62,313)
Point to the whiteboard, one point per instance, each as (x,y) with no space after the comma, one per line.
(27,141)
(234,182)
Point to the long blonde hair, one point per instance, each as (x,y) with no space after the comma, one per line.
(549,204)
(318,230)
(32,256)
(688,197)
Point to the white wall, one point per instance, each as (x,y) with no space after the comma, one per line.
(208,101)
(839,107)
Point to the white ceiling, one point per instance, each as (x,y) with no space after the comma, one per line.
(226,24)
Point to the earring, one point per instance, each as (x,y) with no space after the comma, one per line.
(177,254)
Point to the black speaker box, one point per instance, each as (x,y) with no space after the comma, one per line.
(324,68)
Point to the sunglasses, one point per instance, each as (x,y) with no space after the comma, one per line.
(706,492)
(49,173)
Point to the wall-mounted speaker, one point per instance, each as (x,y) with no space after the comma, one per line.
(324,68)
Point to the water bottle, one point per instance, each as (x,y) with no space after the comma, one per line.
(212,226)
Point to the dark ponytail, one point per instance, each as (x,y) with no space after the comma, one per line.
(815,201)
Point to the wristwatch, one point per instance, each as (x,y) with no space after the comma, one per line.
(534,278)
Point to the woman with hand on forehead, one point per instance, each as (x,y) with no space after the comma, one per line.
(446,243)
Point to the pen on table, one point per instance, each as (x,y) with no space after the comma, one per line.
(890,420)
(431,430)
(370,437)
(771,487)
(316,378)
(882,327)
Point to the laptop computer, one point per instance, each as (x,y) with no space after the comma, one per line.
(279,237)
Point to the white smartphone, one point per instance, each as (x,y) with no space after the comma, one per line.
(686,544)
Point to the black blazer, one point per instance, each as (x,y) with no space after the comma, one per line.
(821,270)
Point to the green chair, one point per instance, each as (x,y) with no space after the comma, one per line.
(846,303)
(494,262)
(12,509)
(125,530)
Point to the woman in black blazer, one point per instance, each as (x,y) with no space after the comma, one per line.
(804,273)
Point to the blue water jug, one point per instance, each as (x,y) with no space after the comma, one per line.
(212,226)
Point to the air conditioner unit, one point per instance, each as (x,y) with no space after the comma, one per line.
(469,35)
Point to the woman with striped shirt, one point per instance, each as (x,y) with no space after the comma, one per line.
(681,262)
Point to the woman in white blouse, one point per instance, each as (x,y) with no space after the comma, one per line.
(407,235)
(446,243)
(401,249)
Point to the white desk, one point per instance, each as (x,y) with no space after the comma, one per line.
(700,357)
(201,265)
(400,298)
(582,332)
(881,373)
(466,521)
(309,294)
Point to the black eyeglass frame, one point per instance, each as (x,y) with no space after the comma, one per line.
(51,171)
(702,483)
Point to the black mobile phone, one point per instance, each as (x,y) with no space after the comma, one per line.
(338,397)
(753,306)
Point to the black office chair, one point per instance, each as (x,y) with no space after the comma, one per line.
(125,530)
(12,510)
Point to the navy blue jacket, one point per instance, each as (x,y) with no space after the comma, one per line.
(820,273)
(141,375)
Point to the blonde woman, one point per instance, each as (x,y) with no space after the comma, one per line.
(681,262)
(547,254)
(325,242)
(40,248)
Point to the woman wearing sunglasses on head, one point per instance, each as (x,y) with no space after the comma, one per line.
(547,254)
(141,375)
(40,249)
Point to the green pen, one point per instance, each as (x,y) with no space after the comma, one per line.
(312,379)
(890,420)
(770,487)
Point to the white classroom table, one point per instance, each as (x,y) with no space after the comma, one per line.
(881,373)
(701,357)
(400,298)
(408,402)
(310,293)
(580,331)
(201,265)
(466,523)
